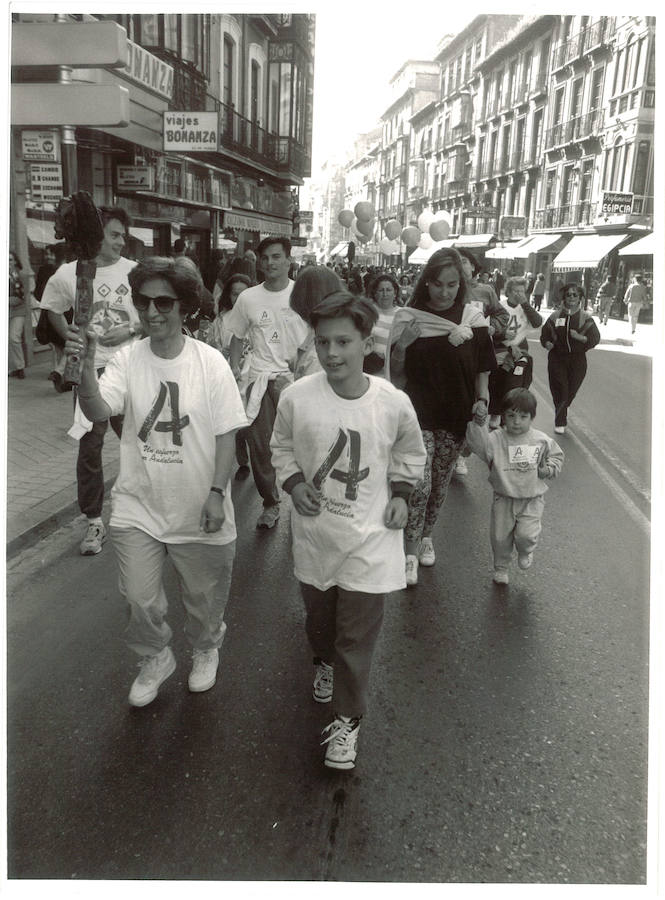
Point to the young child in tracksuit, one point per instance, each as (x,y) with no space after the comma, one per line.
(521,459)
(347,447)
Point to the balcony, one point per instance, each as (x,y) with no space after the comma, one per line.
(452,189)
(575,129)
(246,138)
(594,36)
(599,34)
(568,51)
(539,86)
(572,215)
(531,157)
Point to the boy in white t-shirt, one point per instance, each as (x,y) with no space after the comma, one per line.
(347,447)
(263,315)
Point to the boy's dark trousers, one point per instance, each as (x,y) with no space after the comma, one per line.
(342,627)
(566,373)
(89,471)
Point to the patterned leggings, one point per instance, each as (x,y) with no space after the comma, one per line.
(429,495)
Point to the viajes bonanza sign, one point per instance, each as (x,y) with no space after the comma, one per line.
(190,131)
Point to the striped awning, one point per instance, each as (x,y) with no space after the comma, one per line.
(646,246)
(585,251)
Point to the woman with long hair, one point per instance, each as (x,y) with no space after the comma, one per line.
(312,284)
(441,355)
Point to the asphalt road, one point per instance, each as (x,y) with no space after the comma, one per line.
(506,740)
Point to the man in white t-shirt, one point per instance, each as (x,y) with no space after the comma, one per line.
(172,497)
(116,323)
(263,314)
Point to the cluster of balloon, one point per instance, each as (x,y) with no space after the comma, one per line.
(361,220)
(430,227)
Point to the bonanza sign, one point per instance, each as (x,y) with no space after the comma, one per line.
(190,131)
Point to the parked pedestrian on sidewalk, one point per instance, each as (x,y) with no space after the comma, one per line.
(172,495)
(116,323)
(635,298)
(605,298)
(442,355)
(520,459)
(538,291)
(263,314)
(44,273)
(16,317)
(569,333)
(348,516)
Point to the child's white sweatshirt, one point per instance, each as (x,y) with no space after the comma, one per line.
(514,461)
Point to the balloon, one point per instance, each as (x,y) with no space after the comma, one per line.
(363,238)
(443,216)
(390,248)
(392,229)
(425,241)
(425,219)
(366,227)
(411,236)
(364,211)
(439,231)
(345,218)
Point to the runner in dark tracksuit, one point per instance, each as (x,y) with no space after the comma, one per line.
(569,333)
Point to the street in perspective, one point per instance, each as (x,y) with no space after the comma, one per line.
(329,471)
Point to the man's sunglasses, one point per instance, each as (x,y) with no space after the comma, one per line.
(162,304)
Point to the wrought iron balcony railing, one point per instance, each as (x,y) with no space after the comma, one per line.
(575,129)
(573,214)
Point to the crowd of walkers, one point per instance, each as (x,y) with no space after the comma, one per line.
(355,391)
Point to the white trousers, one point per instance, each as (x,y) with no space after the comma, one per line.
(514,522)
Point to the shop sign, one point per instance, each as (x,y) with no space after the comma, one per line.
(190,131)
(135,178)
(41,145)
(148,70)
(512,227)
(45,182)
(614,203)
(305,216)
(298,241)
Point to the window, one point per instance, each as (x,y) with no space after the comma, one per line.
(641,177)
(651,67)
(628,62)
(526,68)
(512,72)
(478,50)
(576,98)
(543,67)
(254,91)
(638,61)
(550,184)
(467,64)
(586,180)
(557,109)
(536,135)
(567,186)
(597,88)
(228,69)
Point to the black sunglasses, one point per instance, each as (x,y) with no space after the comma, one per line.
(162,304)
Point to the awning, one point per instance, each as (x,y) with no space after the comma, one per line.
(646,246)
(41,232)
(420,256)
(474,240)
(252,222)
(340,249)
(145,235)
(585,251)
(535,244)
(506,252)
(225,244)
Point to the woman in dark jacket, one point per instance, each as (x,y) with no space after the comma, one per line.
(568,334)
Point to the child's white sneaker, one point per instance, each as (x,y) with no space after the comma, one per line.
(500,576)
(426,554)
(524,560)
(342,741)
(411,570)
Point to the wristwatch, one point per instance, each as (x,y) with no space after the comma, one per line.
(219,491)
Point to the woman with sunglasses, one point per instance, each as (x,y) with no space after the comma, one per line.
(182,409)
(568,334)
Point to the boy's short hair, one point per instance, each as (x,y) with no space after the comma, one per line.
(520,399)
(274,239)
(344,304)
(514,281)
(115,212)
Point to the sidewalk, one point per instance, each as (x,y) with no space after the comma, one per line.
(41,457)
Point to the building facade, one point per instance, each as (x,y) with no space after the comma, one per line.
(215,143)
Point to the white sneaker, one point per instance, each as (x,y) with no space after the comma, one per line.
(154,670)
(559,429)
(94,538)
(461,467)
(525,560)
(204,670)
(500,576)
(342,742)
(411,571)
(426,554)
(323,683)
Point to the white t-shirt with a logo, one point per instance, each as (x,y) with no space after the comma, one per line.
(112,305)
(274,330)
(173,408)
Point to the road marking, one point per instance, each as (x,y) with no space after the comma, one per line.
(631,508)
